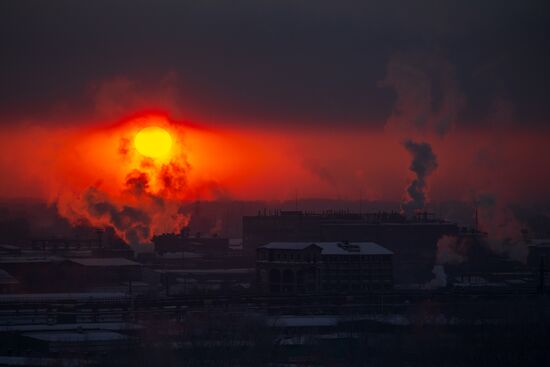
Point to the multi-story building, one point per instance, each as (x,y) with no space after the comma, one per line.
(413,240)
(323,267)
(538,253)
(538,260)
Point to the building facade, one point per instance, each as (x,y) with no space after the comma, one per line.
(413,240)
(323,267)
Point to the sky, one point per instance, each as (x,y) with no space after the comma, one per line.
(276,62)
(275,99)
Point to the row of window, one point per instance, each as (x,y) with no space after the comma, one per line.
(358,271)
(278,288)
(380,259)
(364,278)
(354,267)
(357,279)
(297,256)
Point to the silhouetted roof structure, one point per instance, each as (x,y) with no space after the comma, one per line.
(88,336)
(28,259)
(7,278)
(333,248)
(49,297)
(108,261)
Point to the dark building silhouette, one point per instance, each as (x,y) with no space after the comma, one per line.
(35,273)
(538,249)
(57,274)
(323,267)
(413,241)
(102,271)
(8,283)
(538,260)
(209,246)
(104,243)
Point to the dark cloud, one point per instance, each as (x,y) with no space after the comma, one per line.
(273,61)
(486,200)
(428,99)
(173,177)
(137,183)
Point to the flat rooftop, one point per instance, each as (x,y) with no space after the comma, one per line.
(539,242)
(76,337)
(344,216)
(211,271)
(28,259)
(104,261)
(49,297)
(333,248)
(7,279)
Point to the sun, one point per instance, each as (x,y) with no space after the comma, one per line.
(153,142)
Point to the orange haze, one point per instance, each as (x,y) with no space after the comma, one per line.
(94,173)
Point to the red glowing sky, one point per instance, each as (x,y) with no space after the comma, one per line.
(247,163)
(95,175)
(271,101)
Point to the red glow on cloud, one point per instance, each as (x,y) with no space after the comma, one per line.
(95,174)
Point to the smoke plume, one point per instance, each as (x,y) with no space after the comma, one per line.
(136,215)
(144,201)
(439,280)
(132,223)
(424,163)
(451,250)
(428,97)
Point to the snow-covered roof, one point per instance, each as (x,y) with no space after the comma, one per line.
(27,259)
(29,361)
(333,248)
(7,278)
(104,261)
(9,247)
(303,321)
(180,255)
(105,326)
(236,243)
(540,242)
(44,297)
(211,271)
(73,337)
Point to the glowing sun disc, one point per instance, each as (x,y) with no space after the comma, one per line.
(153,142)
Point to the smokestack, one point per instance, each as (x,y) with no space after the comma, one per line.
(424,163)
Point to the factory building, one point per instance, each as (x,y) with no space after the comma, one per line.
(412,240)
(538,254)
(93,272)
(8,283)
(538,260)
(32,273)
(323,267)
(207,246)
